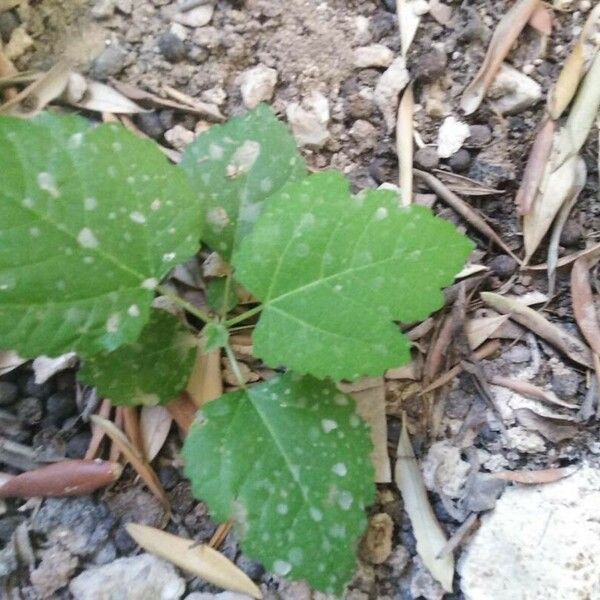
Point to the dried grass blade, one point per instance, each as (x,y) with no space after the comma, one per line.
(528,389)
(464,210)
(535,168)
(505,35)
(200,560)
(134,457)
(408,22)
(464,185)
(583,304)
(64,478)
(534,321)
(428,532)
(404,144)
(591,253)
(155,424)
(536,477)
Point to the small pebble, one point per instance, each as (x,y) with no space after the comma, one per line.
(479,135)
(8,23)
(253,569)
(571,234)
(382,24)
(431,65)
(169,477)
(503,265)
(151,124)
(30,410)
(460,160)
(77,446)
(8,393)
(390,5)
(29,387)
(60,406)
(171,47)
(111,61)
(427,158)
(124,543)
(7,526)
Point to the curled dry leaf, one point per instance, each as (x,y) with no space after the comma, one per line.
(532,391)
(155,424)
(535,168)
(404,144)
(480,329)
(583,304)
(553,429)
(536,477)
(430,537)
(134,457)
(559,187)
(200,560)
(571,346)
(35,97)
(506,33)
(64,478)
(591,253)
(206,382)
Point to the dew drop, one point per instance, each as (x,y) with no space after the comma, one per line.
(328,425)
(150,283)
(34,232)
(381,213)
(156,204)
(282,567)
(90,204)
(340,469)
(46,182)
(345,500)
(87,239)
(315,514)
(133,310)
(112,323)
(137,217)
(282,509)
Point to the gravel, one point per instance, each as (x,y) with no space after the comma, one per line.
(8,393)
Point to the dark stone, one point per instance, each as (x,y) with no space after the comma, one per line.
(359,106)
(151,124)
(60,406)
(389,5)
(8,393)
(491,172)
(503,265)
(431,65)
(77,446)
(30,410)
(167,118)
(571,234)
(253,569)
(427,158)
(460,161)
(169,477)
(382,24)
(479,135)
(171,47)
(8,23)
(8,525)
(123,541)
(111,61)
(29,387)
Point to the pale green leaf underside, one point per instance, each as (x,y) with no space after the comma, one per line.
(288,461)
(152,370)
(90,220)
(334,272)
(234,167)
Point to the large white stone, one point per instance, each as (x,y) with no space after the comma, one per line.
(309,120)
(257,85)
(513,91)
(375,55)
(541,542)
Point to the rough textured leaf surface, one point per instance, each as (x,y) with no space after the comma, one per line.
(288,461)
(234,167)
(90,220)
(334,272)
(154,369)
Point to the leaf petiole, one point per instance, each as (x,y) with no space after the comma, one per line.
(235,366)
(244,316)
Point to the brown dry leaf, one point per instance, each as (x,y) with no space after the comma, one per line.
(409,371)
(134,457)
(575,349)
(131,426)
(505,35)
(155,424)
(370,405)
(591,253)
(559,187)
(10,360)
(531,391)
(536,477)
(582,115)
(97,432)
(535,168)
(206,382)
(208,111)
(409,17)
(480,329)
(200,560)
(35,97)
(404,144)
(428,532)
(183,411)
(583,304)
(464,210)
(98,97)
(64,478)
(553,429)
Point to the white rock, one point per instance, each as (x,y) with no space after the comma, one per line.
(444,471)
(529,442)
(179,137)
(257,85)
(142,577)
(103,9)
(375,55)
(388,88)
(179,30)
(513,91)
(451,136)
(365,135)
(540,542)
(309,120)
(197,17)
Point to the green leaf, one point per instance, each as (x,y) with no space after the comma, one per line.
(152,370)
(215,295)
(234,167)
(288,461)
(334,272)
(90,220)
(215,336)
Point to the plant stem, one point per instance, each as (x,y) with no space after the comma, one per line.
(223,312)
(235,366)
(197,312)
(244,316)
